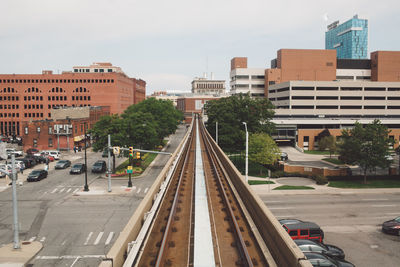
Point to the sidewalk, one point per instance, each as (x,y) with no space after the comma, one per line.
(268,189)
(10,257)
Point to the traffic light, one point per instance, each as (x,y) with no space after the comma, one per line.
(131,151)
(137,155)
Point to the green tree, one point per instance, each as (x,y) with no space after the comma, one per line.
(231,112)
(263,149)
(328,143)
(107,125)
(165,115)
(366,146)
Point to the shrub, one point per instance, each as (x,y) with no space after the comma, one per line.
(320,179)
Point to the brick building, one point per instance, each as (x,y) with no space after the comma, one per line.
(64,131)
(191,104)
(28,97)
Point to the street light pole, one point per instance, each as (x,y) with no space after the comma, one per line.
(86,187)
(130,177)
(15,206)
(247,153)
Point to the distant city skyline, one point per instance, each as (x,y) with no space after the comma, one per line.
(167,44)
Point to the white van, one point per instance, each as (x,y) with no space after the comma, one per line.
(54,153)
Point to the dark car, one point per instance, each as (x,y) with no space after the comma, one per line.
(77,168)
(32,151)
(289,221)
(99,166)
(392,226)
(29,162)
(37,175)
(38,159)
(62,164)
(317,259)
(314,246)
(284,156)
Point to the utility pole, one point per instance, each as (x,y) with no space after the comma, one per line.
(86,187)
(15,206)
(216,132)
(109,163)
(247,152)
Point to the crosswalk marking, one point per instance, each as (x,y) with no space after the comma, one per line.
(76,190)
(62,190)
(145,191)
(88,238)
(69,189)
(110,236)
(98,238)
(55,190)
(32,239)
(42,239)
(138,191)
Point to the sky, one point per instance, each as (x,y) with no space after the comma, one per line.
(168,43)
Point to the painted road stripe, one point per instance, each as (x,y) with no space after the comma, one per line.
(68,257)
(43,239)
(98,238)
(381,206)
(32,239)
(375,199)
(62,190)
(55,190)
(147,189)
(87,239)
(69,190)
(110,236)
(138,191)
(75,261)
(76,190)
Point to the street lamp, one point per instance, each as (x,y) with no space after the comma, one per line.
(216,132)
(247,152)
(86,187)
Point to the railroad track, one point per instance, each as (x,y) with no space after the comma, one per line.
(201,221)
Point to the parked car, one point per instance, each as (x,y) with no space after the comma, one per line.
(54,153)
(289,221)
(284,156)
(62,164)
(51,158)
(33,151)
(78,168)
(37,158)
(332,251)
(8,167)
(318,259)
(37,175)
(17,153)
(99,166)
(20,164)
(392,226)
(29,162)
(304,230)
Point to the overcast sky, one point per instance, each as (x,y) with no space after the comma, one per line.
(168,43)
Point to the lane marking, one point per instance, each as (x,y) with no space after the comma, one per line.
(32,239)
(63,243)
(69,190)
(375,199)
(62,190)
(138,191)
(381,206)
(68,257)
(77,258)
(110,236)
(55,190)
(87,239)
(98,238)
(76,190)
(147,189)
(43,239)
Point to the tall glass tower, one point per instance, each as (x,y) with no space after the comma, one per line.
(350,39)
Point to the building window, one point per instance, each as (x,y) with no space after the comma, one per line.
(26,128)
(50,142)
(50,129)
(35,142)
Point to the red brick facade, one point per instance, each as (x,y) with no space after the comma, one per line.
(28,97)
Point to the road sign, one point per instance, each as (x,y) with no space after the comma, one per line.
(116,150)
(129,170)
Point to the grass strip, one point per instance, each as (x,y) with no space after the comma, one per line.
(292,187)
(255,182)
(369,184)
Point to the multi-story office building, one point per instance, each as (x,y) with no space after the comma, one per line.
(27,97)
(208,87)
(246,80)
(349,39)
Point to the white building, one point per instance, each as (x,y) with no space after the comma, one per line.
(204,86)
(98,67)
(246,80)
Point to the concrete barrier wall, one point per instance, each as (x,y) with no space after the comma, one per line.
(116,255)
(282,248)
(315,170)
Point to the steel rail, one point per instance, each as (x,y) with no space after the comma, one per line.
(239,238)
(172,213)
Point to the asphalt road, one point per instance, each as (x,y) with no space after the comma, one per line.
(76,228)
(350,221)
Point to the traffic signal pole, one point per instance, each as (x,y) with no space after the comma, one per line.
(130,174)
(109,163)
